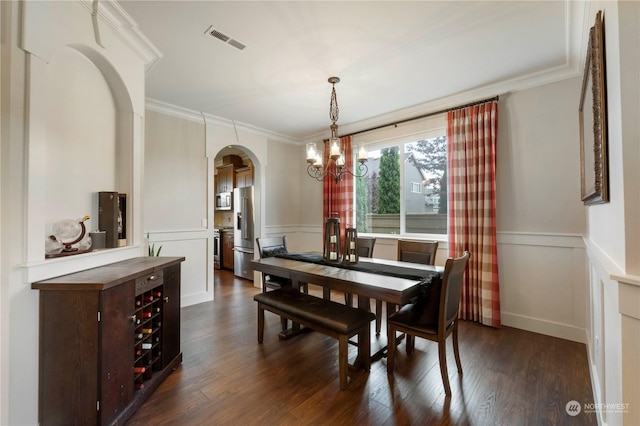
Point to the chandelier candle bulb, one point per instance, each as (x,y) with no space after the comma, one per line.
(312,156)
(362,154)
(335,149)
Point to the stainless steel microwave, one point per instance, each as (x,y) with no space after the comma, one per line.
(224,201)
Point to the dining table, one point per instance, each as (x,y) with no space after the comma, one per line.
(390,281)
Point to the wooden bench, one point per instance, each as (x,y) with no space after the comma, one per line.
(333,319)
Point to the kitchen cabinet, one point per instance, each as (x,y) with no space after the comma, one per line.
(108,337)
(225,179)
(244,177)
(227,249)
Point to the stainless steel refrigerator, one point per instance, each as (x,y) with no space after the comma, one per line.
(243,232)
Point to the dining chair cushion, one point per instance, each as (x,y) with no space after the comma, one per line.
(427,304)
(407,318)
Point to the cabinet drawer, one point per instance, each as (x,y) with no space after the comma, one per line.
(149,281)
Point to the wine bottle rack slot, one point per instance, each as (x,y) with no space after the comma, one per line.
(148,335)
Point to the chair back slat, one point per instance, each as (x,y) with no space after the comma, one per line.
(417,251)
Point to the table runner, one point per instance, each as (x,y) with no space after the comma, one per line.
(374,268)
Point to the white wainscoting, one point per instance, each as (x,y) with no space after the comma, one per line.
(614,338)
(543,284)
(196,245)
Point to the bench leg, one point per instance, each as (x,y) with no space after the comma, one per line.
(260,323)
(343,359)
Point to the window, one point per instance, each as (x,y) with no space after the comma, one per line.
(404,191)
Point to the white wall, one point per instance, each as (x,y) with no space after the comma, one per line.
(80,159)
(176,199)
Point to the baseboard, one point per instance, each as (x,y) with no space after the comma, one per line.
(549,328)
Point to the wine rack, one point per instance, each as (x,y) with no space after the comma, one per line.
(148,336)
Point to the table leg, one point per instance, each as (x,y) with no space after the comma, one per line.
(360,362)
(295,327)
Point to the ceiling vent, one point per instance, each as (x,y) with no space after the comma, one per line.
(212,32)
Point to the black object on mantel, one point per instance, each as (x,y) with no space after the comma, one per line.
(374,268)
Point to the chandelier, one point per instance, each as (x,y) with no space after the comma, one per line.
(336,165)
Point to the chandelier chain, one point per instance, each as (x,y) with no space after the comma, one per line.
(333,106)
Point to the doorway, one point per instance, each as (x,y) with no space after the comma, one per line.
(236,220)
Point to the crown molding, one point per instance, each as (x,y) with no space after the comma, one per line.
(125,28)
(200,117)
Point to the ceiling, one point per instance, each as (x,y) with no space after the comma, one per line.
(411,56)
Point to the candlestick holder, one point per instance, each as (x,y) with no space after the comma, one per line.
(332,250)
(351,245)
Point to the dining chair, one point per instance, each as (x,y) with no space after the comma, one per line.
(417,251)
(269,247)
(434,319)
(365,246)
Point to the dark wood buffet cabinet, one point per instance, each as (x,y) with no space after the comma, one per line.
(108,337)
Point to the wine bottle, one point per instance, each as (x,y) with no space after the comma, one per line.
(147,330)
(139,386)
(139,336)
(146,345)
(139,370)
(146,315)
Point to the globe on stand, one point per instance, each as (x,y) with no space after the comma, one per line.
(70,232)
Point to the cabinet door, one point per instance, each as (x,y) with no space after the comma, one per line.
(171,314)
(117,349)
(226,179)
(69,345)
(227,257)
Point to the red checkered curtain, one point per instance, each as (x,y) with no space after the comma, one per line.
(338,196)
(472,134)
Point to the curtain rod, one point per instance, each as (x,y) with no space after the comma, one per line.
(395,123)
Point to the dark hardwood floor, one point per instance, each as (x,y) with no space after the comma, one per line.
(511,377)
